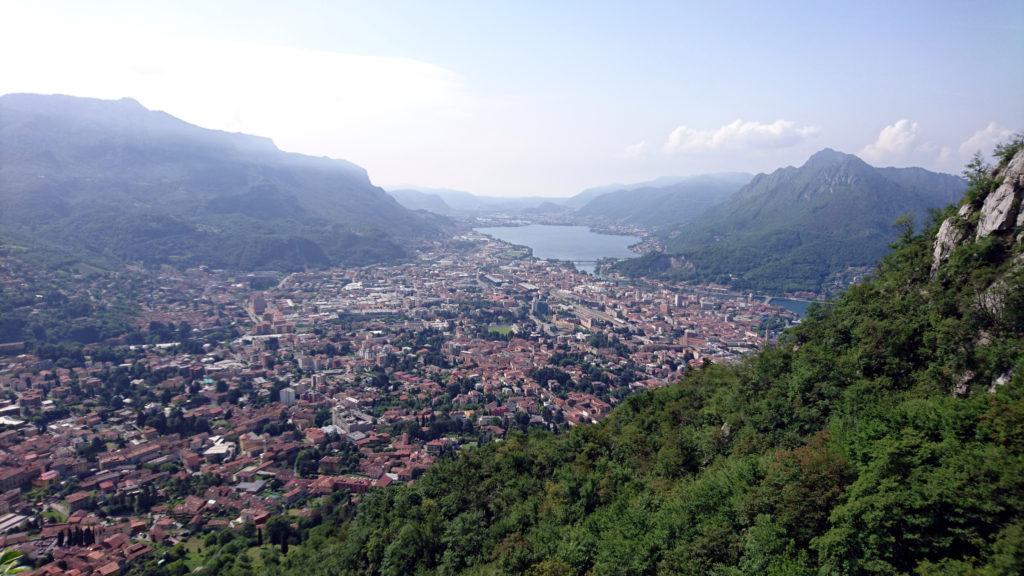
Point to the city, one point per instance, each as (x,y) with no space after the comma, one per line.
(250,395)
(400,288)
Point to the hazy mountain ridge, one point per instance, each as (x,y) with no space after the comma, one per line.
(414,199)
(791,228)
(658,202)
(468,203)
(76,167)
(588,194)
(654,206)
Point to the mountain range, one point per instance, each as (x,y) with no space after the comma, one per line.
(458,202)
(812,227)
(110,181)
(793,228)
(658,205)
(667,198)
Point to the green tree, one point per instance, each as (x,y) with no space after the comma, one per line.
(10,562)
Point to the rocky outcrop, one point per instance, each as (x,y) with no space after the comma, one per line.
(1001,380)
(993,299)
(999,212)
(1020,224)
(951,234)
(963,384)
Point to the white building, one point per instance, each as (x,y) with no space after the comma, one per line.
(287,396)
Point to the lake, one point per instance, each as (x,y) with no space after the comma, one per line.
(578,244)
(798,307)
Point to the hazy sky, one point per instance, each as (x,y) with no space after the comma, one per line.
(547,98)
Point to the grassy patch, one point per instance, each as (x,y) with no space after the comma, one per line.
(55,516)
(502,329)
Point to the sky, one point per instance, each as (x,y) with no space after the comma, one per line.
(547,98)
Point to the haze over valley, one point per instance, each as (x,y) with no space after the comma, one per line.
(537,289)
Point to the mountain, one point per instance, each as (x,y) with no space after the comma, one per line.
(414,199)
(589,194)
(882,435)
(514,204)
(791,229)
(112,181)
(655,206)
(457,200)
(468,204)
(658,202)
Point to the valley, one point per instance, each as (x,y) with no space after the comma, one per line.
(511,288)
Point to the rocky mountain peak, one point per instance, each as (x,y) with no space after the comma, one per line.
(827,157)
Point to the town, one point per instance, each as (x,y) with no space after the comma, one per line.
(240,397)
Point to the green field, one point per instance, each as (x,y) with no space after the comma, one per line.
(503,329)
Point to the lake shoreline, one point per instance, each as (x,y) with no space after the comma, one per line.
(580,245)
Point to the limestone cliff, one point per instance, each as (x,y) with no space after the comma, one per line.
(1000,213)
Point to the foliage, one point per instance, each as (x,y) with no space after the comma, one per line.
(841,451)
(1007,150)
(10,562)
(794,228)
(109,182)
(660,206)
(49,311)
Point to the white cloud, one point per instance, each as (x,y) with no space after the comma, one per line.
(902,144)
(635,150)
(985,140)
(739,135)
(895,143)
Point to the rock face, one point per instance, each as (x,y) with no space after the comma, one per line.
(1001,380)
(993,300)
(999,213)
(1020,224)
(950,235)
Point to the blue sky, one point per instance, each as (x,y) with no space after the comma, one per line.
(547,98)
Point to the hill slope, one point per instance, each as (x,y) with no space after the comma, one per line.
(884,435)
(658,206)
(414,199)
(114,181)
(469,204)
(790,229)
(578,200)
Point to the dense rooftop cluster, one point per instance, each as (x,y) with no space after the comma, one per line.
(227,399)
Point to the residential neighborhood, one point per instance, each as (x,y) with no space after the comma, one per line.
(239,397)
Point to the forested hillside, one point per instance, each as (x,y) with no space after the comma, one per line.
(883,435)
(110,182)
(791,229)
(659,206)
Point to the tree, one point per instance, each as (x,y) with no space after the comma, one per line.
(278,530)
(10,562)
